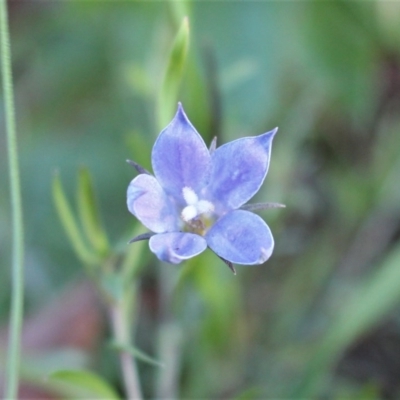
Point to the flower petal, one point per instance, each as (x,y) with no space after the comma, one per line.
(241,237)
(239,169)
(180,157)
(148,202)
(175,247)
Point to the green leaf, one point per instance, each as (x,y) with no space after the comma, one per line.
(138,354)
(371,302)
(70,225)
(374,299)
(89,213)
(178,10)
(84,384)
(168,97)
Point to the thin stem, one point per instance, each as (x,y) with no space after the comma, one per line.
(128,365)
(12,371)
(170,337)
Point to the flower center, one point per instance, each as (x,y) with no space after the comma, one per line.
(197,213)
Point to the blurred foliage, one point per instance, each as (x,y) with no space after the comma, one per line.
(89,384)
(321,317)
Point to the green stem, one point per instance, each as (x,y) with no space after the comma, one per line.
(128,365)
(12,371)
(170,337)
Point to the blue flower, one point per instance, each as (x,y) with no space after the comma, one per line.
(196,197)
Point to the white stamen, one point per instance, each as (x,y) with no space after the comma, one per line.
(194,207)
(188,213)
(204,206)
(190,196)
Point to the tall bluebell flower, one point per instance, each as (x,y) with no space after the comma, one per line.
(196,198)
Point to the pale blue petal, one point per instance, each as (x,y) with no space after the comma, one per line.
(148,202)
(175,247)
(180,157)
(241,237)
(238,170)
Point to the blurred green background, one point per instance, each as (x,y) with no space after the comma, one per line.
(321,318)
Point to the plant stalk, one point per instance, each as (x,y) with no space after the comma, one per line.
(128,365)
(17,299)
(170,337)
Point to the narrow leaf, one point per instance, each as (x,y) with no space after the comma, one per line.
(370,302)
(168,97)
(70,225)
(138,354)
(84,384)
(89,214)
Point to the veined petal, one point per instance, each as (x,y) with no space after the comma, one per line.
(239,169)
(174,247)
(148,202)
(180,157)
(241,237)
